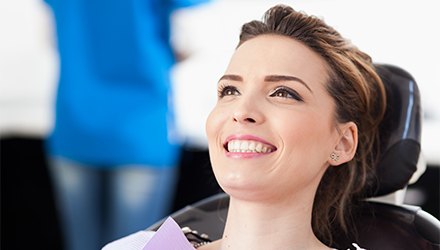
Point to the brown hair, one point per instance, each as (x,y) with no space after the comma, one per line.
(359,96)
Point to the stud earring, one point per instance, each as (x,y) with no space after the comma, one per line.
(334,156)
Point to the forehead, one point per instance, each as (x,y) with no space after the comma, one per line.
(275,54)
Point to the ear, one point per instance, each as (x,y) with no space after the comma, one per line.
(346,146)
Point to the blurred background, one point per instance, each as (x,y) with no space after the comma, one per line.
(403,33)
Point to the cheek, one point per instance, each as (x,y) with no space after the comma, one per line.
(297,129)
(213,125)
(304,158)
(307,139)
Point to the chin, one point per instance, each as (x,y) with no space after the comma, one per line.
(243,189)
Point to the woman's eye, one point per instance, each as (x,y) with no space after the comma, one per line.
(285,92)
(227,91)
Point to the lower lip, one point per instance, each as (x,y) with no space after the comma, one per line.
(241,155)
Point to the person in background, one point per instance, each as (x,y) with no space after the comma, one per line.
(113,152)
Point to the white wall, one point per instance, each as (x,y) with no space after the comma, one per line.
(28,67)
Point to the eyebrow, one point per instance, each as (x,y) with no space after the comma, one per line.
(281,78)
(269,78)
(231,78)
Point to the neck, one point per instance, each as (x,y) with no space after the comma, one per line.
(270,225)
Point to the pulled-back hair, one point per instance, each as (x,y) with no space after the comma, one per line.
(359,96)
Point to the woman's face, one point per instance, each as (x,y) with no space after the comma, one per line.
(273,128)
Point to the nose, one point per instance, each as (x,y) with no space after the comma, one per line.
(243,119)
(247,112)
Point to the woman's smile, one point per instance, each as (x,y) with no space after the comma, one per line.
(247,146)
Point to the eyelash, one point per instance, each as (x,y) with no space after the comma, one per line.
(286,93)
(223,90)
(228,90)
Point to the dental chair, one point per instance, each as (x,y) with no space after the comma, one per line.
(379,225)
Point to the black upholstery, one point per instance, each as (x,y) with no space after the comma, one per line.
(379,225)
(400,131)
(387,226)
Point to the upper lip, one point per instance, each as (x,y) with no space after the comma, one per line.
(247,137)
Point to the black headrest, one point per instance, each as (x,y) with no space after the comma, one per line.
(400,131)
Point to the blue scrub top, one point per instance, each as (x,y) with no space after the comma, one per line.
(113,98)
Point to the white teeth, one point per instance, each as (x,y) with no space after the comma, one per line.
(258,147)
(245,146)
(252,146)
(236,145)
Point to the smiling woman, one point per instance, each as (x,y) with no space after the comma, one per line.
(283,138)
(279,104)
(293,136)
